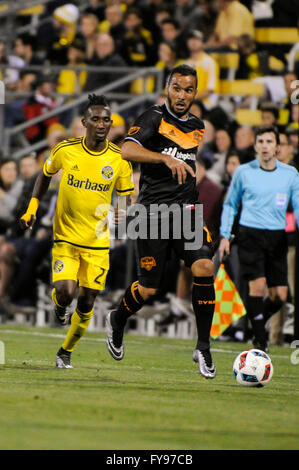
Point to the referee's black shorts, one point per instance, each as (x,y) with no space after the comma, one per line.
(263,253)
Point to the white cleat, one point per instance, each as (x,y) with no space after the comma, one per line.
(205,363)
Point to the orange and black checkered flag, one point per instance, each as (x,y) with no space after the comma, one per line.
(228,303)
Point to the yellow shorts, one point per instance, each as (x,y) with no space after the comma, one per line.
(88,267)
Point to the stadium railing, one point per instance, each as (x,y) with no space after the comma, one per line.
(130,100)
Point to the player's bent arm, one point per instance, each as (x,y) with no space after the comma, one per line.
(132,151)
(40,188)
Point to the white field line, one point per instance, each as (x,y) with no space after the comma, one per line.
(103,340)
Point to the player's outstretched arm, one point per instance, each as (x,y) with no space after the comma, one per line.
(40,188)
(131,151)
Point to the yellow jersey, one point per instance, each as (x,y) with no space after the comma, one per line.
(87,182)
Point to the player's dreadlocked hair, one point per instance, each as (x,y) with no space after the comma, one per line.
(95,100)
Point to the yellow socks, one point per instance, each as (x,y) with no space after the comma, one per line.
(79,324)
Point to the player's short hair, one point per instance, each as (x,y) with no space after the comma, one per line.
(184,70)
(263,130)
(95,100)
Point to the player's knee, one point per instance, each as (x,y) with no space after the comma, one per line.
(85,304)
(203,268)
(257,288)
(7,253)
(64,296)
(146,292)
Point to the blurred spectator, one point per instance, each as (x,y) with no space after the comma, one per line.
(14,113)
(55,134)
(204,18)
(38,104)
(234,20)
(210,195)
(270,115)
(10,189)
(206,151)
(285,154)
(161,14)
(183,12)
(70,81)
(114,25)
(25,47)
(291,85)
(138,46)
(206,67)
(167,59)
(60,34)
(14,65)
(171,32)
(256,62)
(276,333)
(89,26)
(293,136)
(198,109)
(152,17)
(21,257)
(232,161)
(105,55)
(285,13)
(76,128)
(97,8)
(223,143)
(118,129)
(244,143)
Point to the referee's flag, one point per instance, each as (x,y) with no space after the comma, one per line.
(228,303)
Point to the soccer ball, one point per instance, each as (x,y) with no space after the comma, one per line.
(253,368)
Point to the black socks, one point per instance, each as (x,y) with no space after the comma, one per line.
(203,301)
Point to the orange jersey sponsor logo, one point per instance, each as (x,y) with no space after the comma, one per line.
(133,130)
(148,262)
(185,140)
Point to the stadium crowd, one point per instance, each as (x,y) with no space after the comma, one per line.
(144,33)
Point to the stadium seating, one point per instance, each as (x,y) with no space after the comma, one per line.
(227,61)
(248,117)
(277,35)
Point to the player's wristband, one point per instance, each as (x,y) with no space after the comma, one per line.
(31,210)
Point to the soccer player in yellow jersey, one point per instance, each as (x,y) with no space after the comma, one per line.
(91,167)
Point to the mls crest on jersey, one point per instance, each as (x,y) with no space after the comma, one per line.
(58,266)
(107,172)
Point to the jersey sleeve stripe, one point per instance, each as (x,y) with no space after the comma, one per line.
(66,144)
(134,140)
(124,190)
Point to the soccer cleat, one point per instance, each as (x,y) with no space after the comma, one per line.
(63,359)
(114,339)
(262,345)
(205,363)
(171,318)
(61,315)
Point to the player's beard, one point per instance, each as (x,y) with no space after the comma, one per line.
(177,113)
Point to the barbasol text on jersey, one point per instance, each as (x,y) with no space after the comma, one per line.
(86,184)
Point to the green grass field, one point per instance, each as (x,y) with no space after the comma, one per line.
(153,399)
